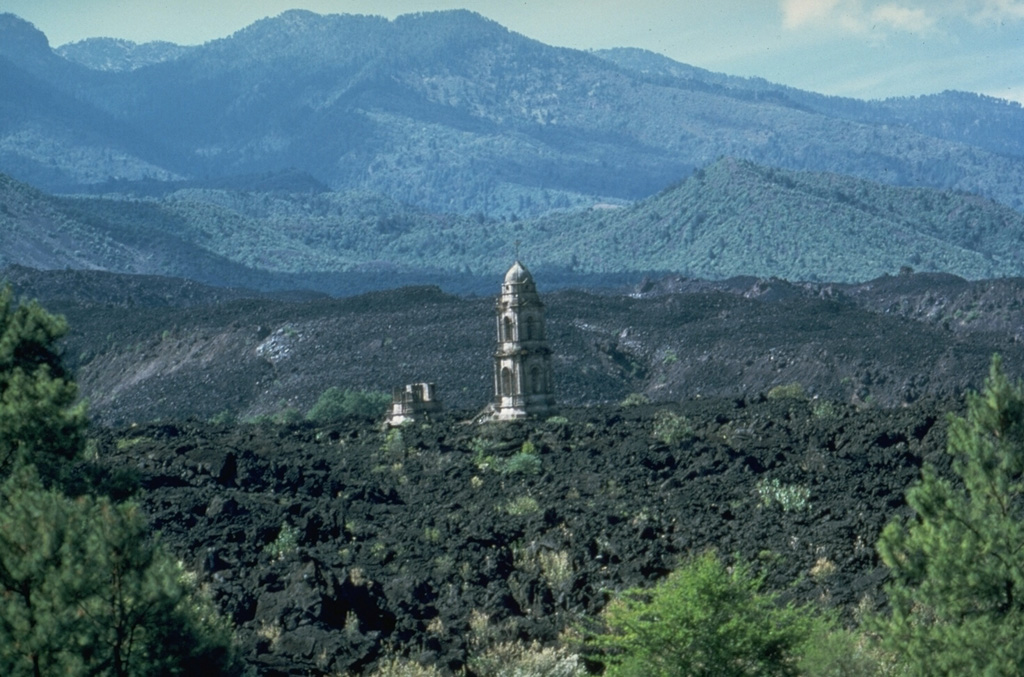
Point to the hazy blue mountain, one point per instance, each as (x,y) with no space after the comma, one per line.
(452,112)
(973,119)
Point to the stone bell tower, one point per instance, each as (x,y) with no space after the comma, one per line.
(522,362)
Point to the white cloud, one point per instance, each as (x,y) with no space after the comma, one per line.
(905,19)
(999,11)
(800,13)
(859,17)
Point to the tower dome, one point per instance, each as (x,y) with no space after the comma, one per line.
(518,274)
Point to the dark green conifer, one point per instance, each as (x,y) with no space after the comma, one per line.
(957,585)
(39,419)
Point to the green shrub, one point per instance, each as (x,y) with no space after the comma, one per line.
(704,619)
(287,416)
(394,444)
(519,464)
(525,462)
(824,410)
(789,497)
(635,400)
(522,505)
(287,540)
(834,651)
(224,417)
(336,404)
(671,428)
(788,391)
(483,452)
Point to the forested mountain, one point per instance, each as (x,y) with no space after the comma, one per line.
(732,218)
(453,113)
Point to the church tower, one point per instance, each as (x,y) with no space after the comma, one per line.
(522,362)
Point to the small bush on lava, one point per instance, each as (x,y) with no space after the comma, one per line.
(287,540)
(636,400)
(788,391)
(517,659)
(525,462)
(403,667)
(520,464)
(671,428)
(789,497)
(522,505)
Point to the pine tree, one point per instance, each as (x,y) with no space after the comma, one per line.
(957,580)
(84,590)
(39,420)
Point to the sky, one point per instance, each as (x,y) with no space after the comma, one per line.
(867,49)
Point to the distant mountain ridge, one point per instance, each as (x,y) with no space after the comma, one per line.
(110,54)
(452,112)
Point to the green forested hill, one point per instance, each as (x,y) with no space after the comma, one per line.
(737,218)
(733,218)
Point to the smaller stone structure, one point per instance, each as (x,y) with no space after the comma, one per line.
(411,402)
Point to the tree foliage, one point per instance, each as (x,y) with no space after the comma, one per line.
(704,619)
(957,585)
(84,590)
(39,419)
(336,404)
